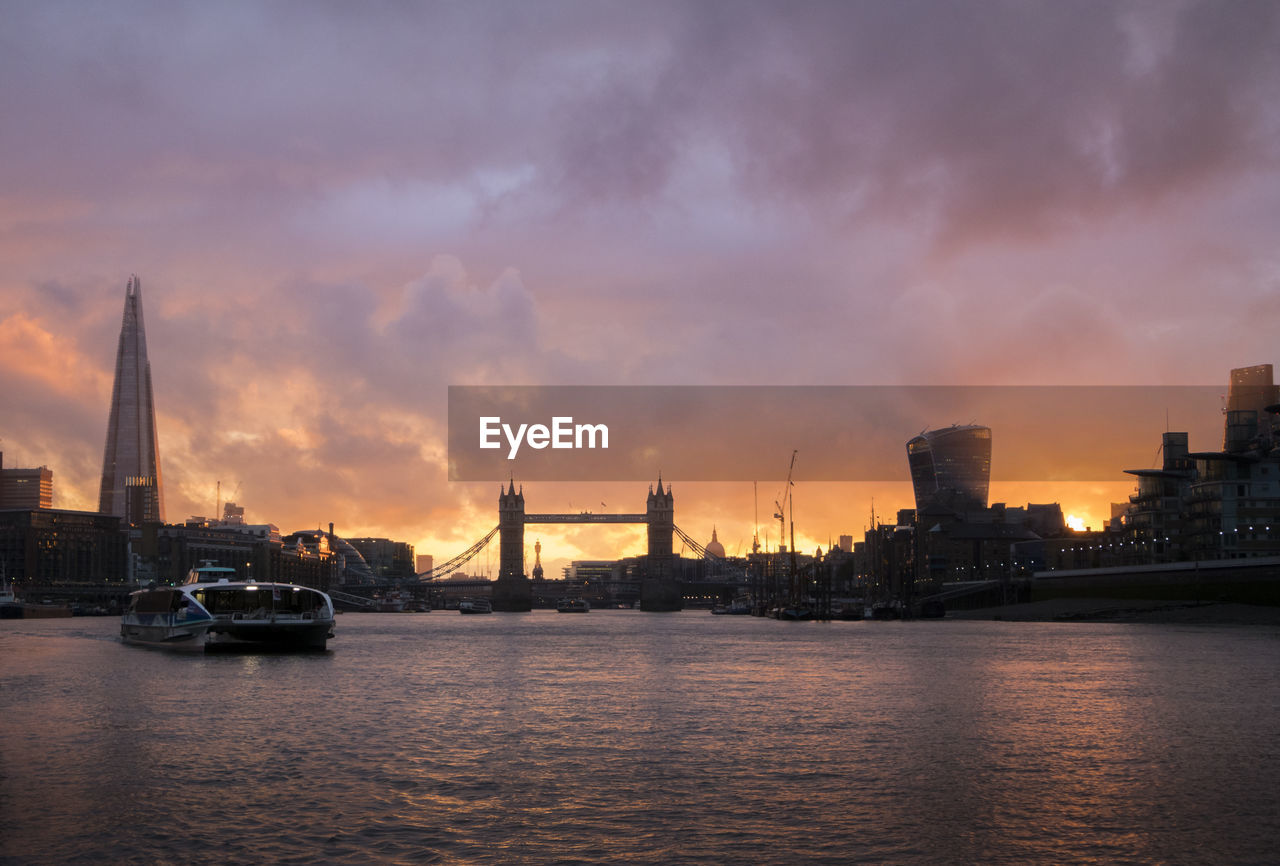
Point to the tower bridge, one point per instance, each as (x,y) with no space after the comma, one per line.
(658,589)
(586,517)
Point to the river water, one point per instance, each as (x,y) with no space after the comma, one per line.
(647,738)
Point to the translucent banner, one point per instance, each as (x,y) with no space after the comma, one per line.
(842,433)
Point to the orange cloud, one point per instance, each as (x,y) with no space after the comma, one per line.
(30,351)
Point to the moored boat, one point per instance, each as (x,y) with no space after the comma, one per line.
(391,602)
(475,605)
(847,610)
(932,608)
(792,612)
(45,609)
(884,610)
(573,605)
(10,607)
(740,606)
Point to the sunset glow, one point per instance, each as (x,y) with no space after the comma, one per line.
(336,214)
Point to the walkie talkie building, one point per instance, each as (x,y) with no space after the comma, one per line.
(131,462)
(951,467)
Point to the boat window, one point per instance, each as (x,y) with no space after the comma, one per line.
(158,601)
(231,600)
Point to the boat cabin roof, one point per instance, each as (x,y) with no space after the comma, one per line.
(210,573)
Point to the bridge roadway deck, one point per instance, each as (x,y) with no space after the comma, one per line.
(586,517)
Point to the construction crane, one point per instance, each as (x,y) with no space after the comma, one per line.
(787,504)
(217,505)
(755,496)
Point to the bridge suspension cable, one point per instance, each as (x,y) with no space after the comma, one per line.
(460,560)
(702,551)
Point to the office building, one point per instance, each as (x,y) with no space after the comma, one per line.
(1209,505)
(43,548)
(387,559)
(1248,424)
(951,468)
(131,486)
(25,488)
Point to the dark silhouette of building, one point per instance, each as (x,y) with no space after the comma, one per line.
(387,559)
(42,548)
(1250,391)
(25,488)
(951,468)
(1153,520)
(1205,505)
(660,591)
(164,554)
(511,592)
(131,486)
(952,536)
(660,509)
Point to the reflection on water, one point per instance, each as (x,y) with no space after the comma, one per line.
(655,738)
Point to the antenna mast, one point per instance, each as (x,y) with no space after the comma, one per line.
(755,495)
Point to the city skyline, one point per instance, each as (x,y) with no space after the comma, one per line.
(837,194)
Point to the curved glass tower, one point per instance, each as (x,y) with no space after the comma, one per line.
(131,461)
(951,467)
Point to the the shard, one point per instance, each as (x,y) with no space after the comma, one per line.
(131,485)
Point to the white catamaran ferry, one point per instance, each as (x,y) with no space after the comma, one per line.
(213,610)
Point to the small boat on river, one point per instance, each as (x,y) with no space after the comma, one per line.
(10,607)
(792,612)
(740,606)
(475,605)
(213,610)
(573,605)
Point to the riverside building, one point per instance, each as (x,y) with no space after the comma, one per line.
(1209,505)
(25,488)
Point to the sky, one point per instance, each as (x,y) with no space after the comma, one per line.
(338,210)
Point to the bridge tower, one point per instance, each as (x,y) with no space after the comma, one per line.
(511,591)
(660,590)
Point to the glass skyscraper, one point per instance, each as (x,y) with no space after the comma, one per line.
(131,462)
(951,467)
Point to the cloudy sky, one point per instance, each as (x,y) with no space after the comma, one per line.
(337,210)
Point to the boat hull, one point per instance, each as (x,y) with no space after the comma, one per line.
(188,638)
(45,611)
(270,636)
(793,613)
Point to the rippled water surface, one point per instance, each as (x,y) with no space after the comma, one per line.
(658,738)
